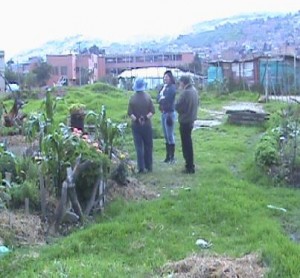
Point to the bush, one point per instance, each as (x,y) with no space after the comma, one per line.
(8,164)
(28,169)
(266,153)
(28,189)
(86,180)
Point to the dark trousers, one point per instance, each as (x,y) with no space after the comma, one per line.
(185,130)
(143,142)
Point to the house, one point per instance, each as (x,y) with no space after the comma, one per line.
(278,75)
(281,75)
(236,71)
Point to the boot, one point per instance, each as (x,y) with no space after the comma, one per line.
(167,159)
(172,152)
(189,169)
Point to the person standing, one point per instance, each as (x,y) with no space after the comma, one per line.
(140,110)
(166,100)
(187,107)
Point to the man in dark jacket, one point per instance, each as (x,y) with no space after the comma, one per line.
(187,108)
(140,110)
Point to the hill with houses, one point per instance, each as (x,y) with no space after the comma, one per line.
(230,37)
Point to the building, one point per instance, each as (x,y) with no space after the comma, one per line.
(115,64)
(79,69)
(63,68)
(277,75)
(153,76)
(2,71)
(236,71)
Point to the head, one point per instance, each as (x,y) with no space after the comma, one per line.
(168,77)
(185,80)
(139,85)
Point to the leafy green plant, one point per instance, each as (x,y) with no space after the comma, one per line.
(28,189)
(58,151)
(266,153)
(8,163)
(105,130)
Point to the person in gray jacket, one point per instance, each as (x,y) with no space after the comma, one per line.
(187,108)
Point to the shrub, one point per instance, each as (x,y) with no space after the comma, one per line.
(266,153)
(8,164)
(28,189)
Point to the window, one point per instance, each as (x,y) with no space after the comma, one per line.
(55,70)
(140,59)
(64,70)
(110,60)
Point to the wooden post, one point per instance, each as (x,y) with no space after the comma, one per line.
(8,178)
(42,194)
(26,206)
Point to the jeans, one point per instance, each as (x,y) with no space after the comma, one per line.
(168,130)
(143,142)
(185,130)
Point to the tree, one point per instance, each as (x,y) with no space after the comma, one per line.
(30,80)
(95,50)
(43,73)
(11,77)
(196,65)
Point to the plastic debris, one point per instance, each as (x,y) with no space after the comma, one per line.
(3,250)
(202,243)
(278,208)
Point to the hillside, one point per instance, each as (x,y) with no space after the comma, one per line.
(251,31)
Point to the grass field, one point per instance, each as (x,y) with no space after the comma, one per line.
(225,202)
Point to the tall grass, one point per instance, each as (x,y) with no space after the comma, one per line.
(225,202)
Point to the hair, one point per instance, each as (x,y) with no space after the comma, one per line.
(185,79)
(170,74)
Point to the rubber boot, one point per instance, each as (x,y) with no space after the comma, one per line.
(167,159)
(172,153)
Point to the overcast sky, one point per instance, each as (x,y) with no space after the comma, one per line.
(27,24)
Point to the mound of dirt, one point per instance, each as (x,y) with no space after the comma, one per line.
(213,266)
(30,230)
(24,229)
(133,190)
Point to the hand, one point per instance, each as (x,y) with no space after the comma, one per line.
(133,117)
(141,120)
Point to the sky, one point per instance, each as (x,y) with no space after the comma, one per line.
(29,24)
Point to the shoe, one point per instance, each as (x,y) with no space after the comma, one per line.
(189,171)
(172,161)
(141,171)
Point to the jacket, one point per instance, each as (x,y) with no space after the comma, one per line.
(140,104)
(166,98)
(187,105)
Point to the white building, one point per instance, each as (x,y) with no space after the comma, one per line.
(153,76)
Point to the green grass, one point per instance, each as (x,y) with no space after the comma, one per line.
(225,202)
